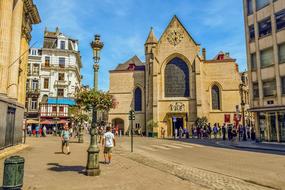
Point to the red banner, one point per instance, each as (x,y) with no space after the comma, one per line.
(227,118)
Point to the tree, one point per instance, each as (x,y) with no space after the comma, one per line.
(151,125)
(201,122)
(96,100)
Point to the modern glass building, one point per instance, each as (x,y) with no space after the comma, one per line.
(265,42)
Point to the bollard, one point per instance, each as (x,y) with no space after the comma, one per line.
(13,173)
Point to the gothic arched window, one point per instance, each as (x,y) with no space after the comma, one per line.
(216,101)
(138,99)
(176,78)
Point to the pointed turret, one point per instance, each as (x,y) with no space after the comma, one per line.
(151,39)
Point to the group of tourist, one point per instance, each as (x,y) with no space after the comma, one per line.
(106,138)
(37,131)
(226,131)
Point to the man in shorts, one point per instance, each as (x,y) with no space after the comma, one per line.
(108,142)
(65,135)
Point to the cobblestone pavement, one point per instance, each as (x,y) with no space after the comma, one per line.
(47,168)
(213,168)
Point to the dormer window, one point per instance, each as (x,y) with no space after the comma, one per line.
(221,57)
(131,67)
(62,44)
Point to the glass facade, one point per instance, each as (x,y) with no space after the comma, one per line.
(280,20)
(272,126)
(261,3)
(251,33)
(253,61)
(266,57)
(264,27)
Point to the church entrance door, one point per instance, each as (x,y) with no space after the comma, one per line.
(177,122)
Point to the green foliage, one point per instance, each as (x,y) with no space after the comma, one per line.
(201,122)
(94,99)
(151,125)
(77,115)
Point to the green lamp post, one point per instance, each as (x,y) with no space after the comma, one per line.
(92,167)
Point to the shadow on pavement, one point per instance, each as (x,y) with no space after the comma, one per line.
(58,153)
(61,168)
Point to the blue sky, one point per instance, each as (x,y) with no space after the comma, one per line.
(124,25)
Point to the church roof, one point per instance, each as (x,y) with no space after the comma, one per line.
(223,56)
(175,18)
(135,63)
(151,39)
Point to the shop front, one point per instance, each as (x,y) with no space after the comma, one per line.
(271,125)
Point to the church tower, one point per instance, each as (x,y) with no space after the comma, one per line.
(150,52)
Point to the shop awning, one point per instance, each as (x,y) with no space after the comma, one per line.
(64,101)
(265,109)
(46,122)
(32,121)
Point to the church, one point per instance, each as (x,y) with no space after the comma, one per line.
(174,85)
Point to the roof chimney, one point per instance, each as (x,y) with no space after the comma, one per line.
(204,53)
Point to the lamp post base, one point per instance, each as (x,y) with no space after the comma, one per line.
(93,172)
(93,168)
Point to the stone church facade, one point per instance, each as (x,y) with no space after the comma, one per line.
(175,85)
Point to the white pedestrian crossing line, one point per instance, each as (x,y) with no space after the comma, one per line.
(183,145)
(172,146)
(160,147)
(148,148)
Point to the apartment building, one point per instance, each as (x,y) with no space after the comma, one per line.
(265,43)
(59,64)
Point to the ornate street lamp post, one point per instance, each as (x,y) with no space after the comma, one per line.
(92,167)
(241,88)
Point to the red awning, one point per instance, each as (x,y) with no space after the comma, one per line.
(62,121)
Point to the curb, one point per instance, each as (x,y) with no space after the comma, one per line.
(12,150)
(259,148)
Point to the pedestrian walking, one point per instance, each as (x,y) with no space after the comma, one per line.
(162,132)
(175,133)
(29,130)
(224,131)
(230,132)
(215,130)
(108,142)
(248,131)
(65,136)
(180,132)
(209,131)
(37,130)
(44,131)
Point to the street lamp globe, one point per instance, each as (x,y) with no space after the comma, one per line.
(96,45)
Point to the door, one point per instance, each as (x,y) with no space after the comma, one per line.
(272,127)
(177,123)
(10,127)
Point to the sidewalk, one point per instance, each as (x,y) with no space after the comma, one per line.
(254,145)
(250,145)
(47,168)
